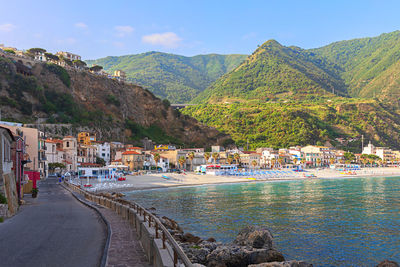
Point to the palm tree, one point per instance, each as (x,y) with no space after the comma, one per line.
(182,161)
(229,159)
(236,156)
(332,160)
(273,160)
(215,156)
(207,156)
(156,159)
(318,162)
(191,157)
(280,161)
(295,161)
(254,163)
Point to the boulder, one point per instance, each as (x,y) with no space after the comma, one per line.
(189,238)
(387,263)
(283,264)
(255,236)
(241,256)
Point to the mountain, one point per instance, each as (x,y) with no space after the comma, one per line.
(363,68)
(274,71)
(368,66)
(176,78)
(282,96)
(115,111)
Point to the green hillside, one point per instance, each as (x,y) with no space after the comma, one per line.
(275,71)
(289,124)
(368,66)
(365,67)
(176,78)
(282,96)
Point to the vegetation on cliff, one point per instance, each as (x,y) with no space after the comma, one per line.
(176,78)
(114,110)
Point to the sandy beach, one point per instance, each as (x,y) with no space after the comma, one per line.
(164,180)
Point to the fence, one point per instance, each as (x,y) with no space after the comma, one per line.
(161,248)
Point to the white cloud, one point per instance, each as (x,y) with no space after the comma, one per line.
(166,39)
(81,25)
(123,30)
(7,27)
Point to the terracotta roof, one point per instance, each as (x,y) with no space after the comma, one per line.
(117,160)
(134,147)
(131,153)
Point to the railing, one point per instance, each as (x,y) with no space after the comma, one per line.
(161,232)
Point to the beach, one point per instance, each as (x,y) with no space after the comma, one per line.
(165,180)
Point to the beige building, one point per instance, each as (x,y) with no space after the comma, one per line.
(86,154)
(70,147)
(133,160)
(120,75)
(68,55)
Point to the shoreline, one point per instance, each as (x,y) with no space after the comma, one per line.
(156,181)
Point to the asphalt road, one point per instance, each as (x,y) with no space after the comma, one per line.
(52,230)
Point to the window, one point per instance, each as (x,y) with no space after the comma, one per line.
(67,144)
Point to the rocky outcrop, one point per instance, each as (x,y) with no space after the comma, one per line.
(252,245)
(105,105)
(387,263)
(283,264)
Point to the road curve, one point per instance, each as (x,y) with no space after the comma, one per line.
(52,230)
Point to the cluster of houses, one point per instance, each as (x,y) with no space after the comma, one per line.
(26,61)
(28,154)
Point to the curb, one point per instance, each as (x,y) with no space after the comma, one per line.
(103,261)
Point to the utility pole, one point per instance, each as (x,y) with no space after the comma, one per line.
(362,143)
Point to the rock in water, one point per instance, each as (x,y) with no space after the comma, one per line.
(387,263)
(255,236)
(283,264)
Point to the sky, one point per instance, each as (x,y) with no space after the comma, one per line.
(95,29)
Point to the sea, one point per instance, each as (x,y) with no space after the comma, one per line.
(326,222)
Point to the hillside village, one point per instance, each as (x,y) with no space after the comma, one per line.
(68,60)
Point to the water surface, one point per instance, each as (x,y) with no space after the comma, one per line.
(327,222)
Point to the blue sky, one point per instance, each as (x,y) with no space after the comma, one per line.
(96,29)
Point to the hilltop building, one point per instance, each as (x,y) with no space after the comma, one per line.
(86,138)
(120,75)
(68,55)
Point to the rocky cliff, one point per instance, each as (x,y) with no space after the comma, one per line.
(115,110)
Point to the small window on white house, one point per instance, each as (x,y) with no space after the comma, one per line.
(7,151)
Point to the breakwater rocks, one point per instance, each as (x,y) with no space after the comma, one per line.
(253,245)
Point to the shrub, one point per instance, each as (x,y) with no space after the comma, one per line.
(3,199)
(60,72)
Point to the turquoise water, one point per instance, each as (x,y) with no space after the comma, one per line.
(341,222)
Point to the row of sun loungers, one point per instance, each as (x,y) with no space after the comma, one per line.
(258,174)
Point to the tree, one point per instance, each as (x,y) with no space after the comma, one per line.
(273,161)
(34,51)
(254,163)
(156,159)
(331,161)
(229,159)
(96,68)
(191,157)
(349,156)
(318,162)
(50,56)
(55,165)
(295,161)
(215,156)
(10,51)
(236,156)
(182,161)
(280,161)
(207,156)
(79,63)
(100,161)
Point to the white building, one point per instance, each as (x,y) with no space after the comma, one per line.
(68,55)
(104,151)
